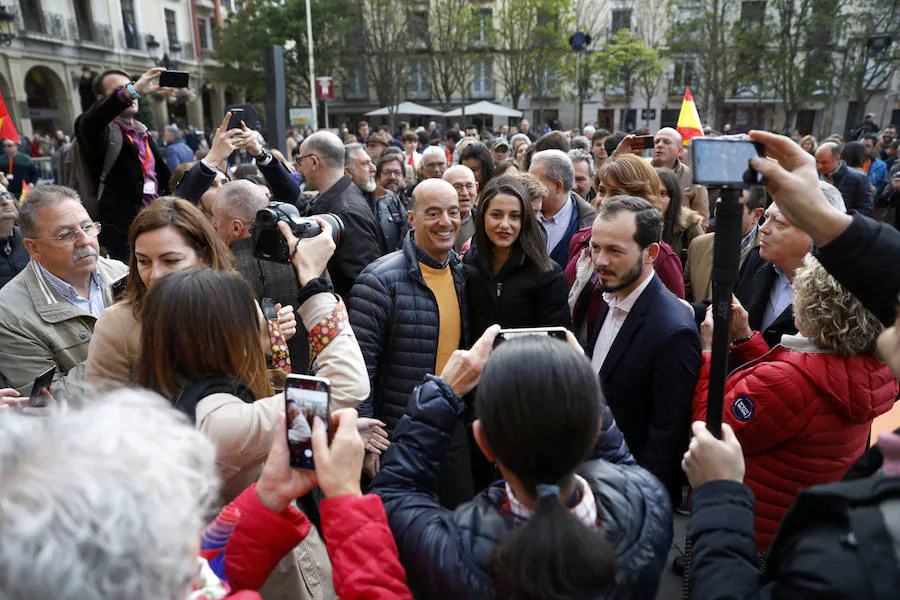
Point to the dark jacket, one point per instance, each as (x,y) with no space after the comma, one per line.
(582,216)
(23,169)
(648,379)
(359,242)
(178,152)
(196,181)
(123,195)
(13,256)
(390,216)
(753,289)
(446,554)
(854,187)
(812,556)
(864,259)
(517,296)
(395,317)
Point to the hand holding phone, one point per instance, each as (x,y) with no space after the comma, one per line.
(725,162)
(305,398)
(642,142)
(338,466)
(558,333)
(174,79)
(41,382)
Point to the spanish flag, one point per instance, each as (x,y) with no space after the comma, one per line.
(688,120)
(7,129)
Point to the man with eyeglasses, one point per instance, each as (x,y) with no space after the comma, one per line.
(13,256)
(463,181)
(409,314)
(390,174)
(18,167)
(389,212)
(48,311)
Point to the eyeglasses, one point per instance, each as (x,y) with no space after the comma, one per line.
(302,156)
(469,187)
(69,236)
(6,195)
(392,173)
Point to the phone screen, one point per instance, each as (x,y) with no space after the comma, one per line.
(174,79)
(642,142)
(237,115)
(40,382)
(725,163)
(304,399)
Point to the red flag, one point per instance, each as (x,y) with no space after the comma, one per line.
(7,129)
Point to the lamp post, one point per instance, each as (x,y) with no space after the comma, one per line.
(579,41)
(7,26)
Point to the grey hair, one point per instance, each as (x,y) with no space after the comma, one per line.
(833,195)
(175,131)
(433,150)
(328,147)
(579,155)
(349,149)
(580,142)
(40,197)
(242,199)
(103,502)
(558,167)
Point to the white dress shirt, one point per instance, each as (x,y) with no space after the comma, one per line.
(780,297)
(556,225)
(615,318)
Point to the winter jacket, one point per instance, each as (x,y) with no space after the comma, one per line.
(585,299)
(390,216)
(854,187)
(358,245)
(39,329)
(363,554)
(446,554)
(517,296)
(123,195)
(877,174)
(802,416)
(13,256)
(178,152)
(197,179)
(395,317)
(23,169)
(688,228)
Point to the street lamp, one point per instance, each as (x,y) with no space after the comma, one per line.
(152,46)
(579,41)
(7,26)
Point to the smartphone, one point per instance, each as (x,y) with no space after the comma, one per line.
(40,382)
(237,115)
(118,287)
(268,308)
(174,79)
(305,398)
(558,333)
(725,162)
(642,142)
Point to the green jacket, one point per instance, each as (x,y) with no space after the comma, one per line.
(39,330)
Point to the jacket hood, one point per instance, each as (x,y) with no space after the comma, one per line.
(859,387)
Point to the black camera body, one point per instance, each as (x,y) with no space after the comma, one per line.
(269,244)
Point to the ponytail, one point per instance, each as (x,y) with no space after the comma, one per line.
(552,556)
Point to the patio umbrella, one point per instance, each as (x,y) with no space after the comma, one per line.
(405,108)
(485,108)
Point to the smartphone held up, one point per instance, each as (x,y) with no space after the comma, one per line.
(305,398)
(724,162)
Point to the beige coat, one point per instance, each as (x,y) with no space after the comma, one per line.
(114,349)
(698,269)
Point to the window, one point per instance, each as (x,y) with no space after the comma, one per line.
(484,23)
(482,78)
(203,29)
(753,12)
(682,76)
(129,25)
(171,27)
(227,4)
(621,19)
(417,29)
(419,86)
(83,20)
(356,83)
(31,15)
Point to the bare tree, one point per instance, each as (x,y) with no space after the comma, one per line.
(449,47)
(382,29)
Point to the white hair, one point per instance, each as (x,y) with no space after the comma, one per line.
(833,195)
(558,167)
(433,150)
(103,502)
(242,199)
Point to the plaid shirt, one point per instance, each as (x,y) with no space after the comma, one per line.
(585,511)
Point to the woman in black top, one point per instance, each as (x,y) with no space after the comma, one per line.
(513,282)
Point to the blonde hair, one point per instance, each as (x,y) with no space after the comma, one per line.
(534,187)
(630,175)
(829,315)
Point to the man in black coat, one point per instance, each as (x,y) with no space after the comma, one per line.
(13,255)
(408,311)
(321,161)
(646,347)
(853,185)
(139,175)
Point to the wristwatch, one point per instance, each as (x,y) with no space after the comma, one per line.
(130,87)
(264,157)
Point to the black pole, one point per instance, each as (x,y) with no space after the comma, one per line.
(726,260)
(276,121)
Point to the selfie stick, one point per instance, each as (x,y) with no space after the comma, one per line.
(726,260)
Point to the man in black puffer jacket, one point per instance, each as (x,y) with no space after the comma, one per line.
(409,313)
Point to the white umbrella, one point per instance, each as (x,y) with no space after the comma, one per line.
(405,108)
(485,108)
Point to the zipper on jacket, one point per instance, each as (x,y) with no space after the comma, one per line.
(499,289)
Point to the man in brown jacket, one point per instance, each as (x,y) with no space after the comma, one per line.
(667,144)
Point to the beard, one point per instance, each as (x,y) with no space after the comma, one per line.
(369,186)
(625,280)
(390,185)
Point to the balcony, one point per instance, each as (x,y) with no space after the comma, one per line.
(50,25)
(91,32)
(133,40)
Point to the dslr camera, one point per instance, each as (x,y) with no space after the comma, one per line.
(269,244)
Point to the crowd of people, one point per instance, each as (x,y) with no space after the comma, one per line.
(155,463)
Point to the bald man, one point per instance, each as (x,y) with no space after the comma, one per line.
(408,313)
(463,181)
(853,185)
(667,145)
(321,161)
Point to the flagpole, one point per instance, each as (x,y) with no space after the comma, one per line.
(312,68)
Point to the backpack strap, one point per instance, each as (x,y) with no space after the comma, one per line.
(114,142)
(189,397)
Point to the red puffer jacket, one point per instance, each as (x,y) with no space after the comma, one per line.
(802,416)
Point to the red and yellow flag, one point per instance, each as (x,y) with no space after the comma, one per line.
(688,119)
(7,129)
